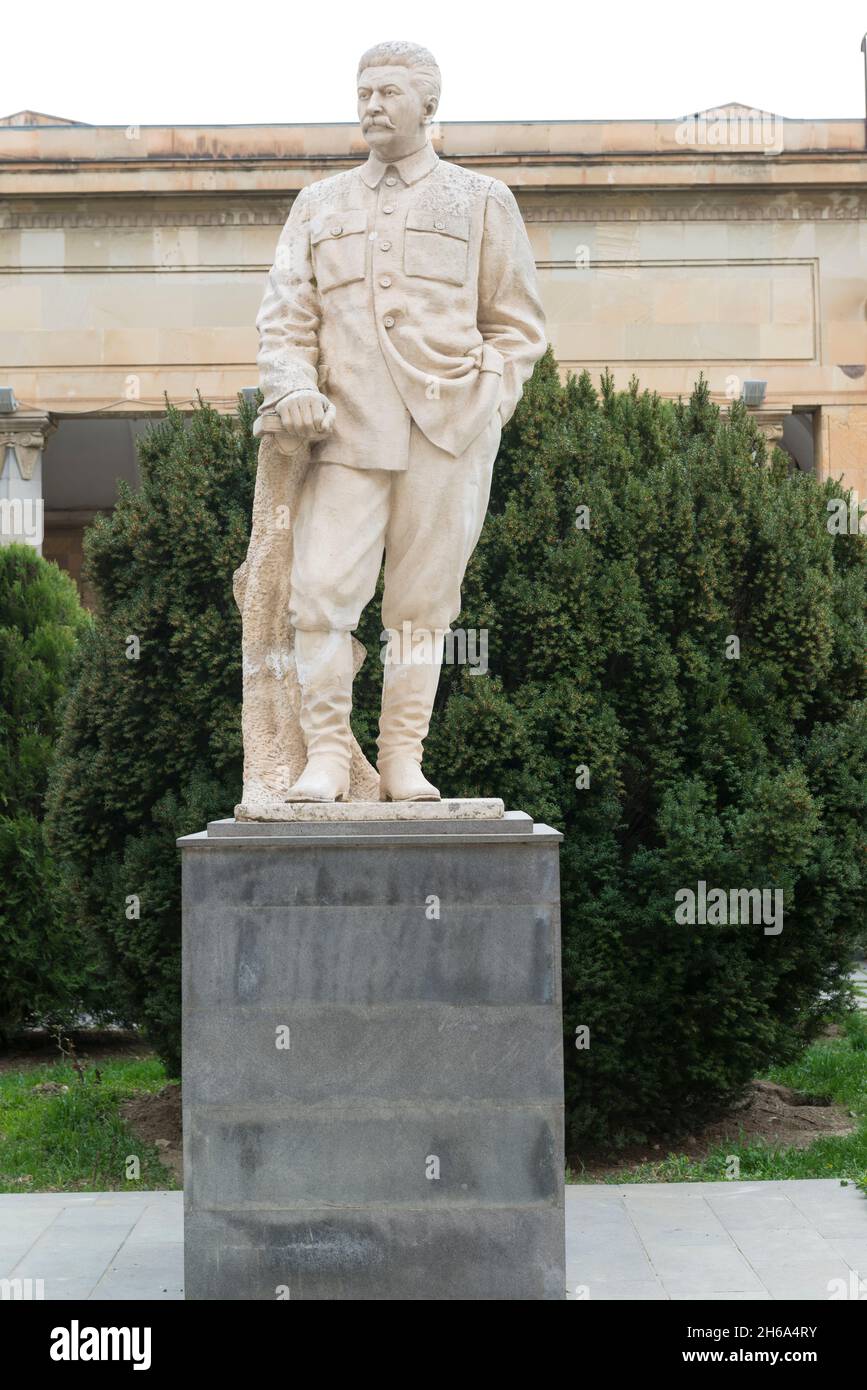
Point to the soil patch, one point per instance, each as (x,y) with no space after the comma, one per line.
(770,1114)
(155,1118)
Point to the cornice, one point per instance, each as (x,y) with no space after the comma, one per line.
(576,205)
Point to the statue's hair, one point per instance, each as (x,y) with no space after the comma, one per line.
(407,55)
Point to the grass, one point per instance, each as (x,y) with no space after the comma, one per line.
(76,1141)
(835,1068)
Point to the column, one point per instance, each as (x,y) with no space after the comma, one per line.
(22,509)
(843,443)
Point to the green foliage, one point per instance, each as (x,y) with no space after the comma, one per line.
(40,617)
(608,648)
(831,1067)
(151,747)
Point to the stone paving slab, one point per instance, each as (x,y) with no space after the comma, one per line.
(645,1241)
(715,1240)
(94,1245)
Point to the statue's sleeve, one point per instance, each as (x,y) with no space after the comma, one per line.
(288,320)
(510,314)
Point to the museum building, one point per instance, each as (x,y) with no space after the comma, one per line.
(132,263)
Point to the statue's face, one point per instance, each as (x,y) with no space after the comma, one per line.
(393,111)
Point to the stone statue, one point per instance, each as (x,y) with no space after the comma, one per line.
(399,325)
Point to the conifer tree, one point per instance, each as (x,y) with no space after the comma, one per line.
(151,747)
(677,681)
(42,965)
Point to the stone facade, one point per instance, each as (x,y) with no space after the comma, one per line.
(134,260)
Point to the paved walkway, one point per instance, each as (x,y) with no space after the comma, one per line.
(716,1240)
(124,1245)
(713,1240)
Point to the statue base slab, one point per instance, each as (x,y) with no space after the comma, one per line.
(373,1060)
(456,808)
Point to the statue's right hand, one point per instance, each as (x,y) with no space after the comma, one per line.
(308,415)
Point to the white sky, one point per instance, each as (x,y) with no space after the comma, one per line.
(194,63)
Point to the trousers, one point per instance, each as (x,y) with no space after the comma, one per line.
(426,519)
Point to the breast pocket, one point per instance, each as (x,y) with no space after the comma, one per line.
(436,247)
(339,245)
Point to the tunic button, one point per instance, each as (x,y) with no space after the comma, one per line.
(336,231)
(385,281)
(391,180)
(389,207)
(440,226)
(385,246)
(388,321)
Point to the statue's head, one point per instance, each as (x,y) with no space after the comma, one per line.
(398,94)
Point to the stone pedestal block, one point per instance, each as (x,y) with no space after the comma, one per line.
(373,1067)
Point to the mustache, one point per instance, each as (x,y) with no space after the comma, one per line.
(381,121)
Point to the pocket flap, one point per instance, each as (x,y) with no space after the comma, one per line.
(332,226)
(422,221)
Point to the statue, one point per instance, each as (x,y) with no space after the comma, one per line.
(399,325)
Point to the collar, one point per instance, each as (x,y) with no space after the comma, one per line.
(411,168)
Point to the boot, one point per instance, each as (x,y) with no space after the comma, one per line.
(324,664)
(408,692)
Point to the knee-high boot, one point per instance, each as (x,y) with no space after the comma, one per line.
(408,692)
(324,663)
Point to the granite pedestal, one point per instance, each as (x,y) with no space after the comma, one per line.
(372,1074)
